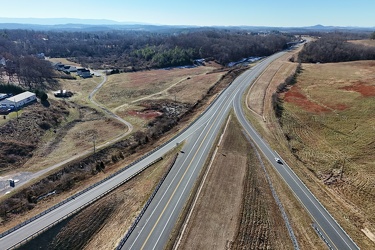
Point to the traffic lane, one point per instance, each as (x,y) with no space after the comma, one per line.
(171,212)
(171,205)
(333,232)
(157,205)
(329,227)
(151,215)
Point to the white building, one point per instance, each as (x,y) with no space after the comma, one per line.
(18,101)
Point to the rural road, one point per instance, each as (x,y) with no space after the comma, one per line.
(155,226)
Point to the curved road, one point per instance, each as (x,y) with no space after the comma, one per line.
(154,228)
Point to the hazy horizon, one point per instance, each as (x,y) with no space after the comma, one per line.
(270,13)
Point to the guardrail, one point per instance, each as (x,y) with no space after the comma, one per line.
(316,229)
(275,196)
(135,223)
(73,197)
(110,176)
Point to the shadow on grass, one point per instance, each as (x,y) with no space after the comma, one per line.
(46,103)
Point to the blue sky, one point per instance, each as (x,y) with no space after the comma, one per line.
(280,13)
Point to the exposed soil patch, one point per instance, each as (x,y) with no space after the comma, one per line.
(362,88)
(296,97)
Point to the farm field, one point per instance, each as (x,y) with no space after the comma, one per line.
(329,120)
(364,42)
(326,136)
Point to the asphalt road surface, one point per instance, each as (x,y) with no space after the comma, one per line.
(154,229)
(332,233)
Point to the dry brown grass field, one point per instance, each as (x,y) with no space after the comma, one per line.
(364,42)
(85,123)
(327,137)
(329,120)
(64,61)
(126,88)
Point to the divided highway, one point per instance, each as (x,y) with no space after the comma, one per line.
(155,226)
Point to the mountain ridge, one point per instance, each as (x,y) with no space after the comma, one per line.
(69,24)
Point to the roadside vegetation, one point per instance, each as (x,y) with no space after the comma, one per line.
(109,218)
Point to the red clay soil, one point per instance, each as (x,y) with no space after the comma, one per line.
(364,89)
(295,96)
(146,114)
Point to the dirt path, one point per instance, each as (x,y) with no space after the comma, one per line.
(23,178)
(91,98)
(149,96)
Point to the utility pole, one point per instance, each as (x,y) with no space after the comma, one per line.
(94,137)
(175,107)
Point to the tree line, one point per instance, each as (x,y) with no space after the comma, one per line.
(143,49)
(335,47)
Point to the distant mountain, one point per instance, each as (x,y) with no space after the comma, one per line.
(94,25)
(55,21)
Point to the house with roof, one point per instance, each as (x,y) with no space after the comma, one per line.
(84,73)
(18,101)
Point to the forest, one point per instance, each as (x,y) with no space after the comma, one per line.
(141,49)
(133,50)
(336,47)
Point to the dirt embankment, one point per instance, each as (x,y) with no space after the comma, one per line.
(19,137)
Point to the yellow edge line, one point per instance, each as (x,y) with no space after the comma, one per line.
(174,191)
